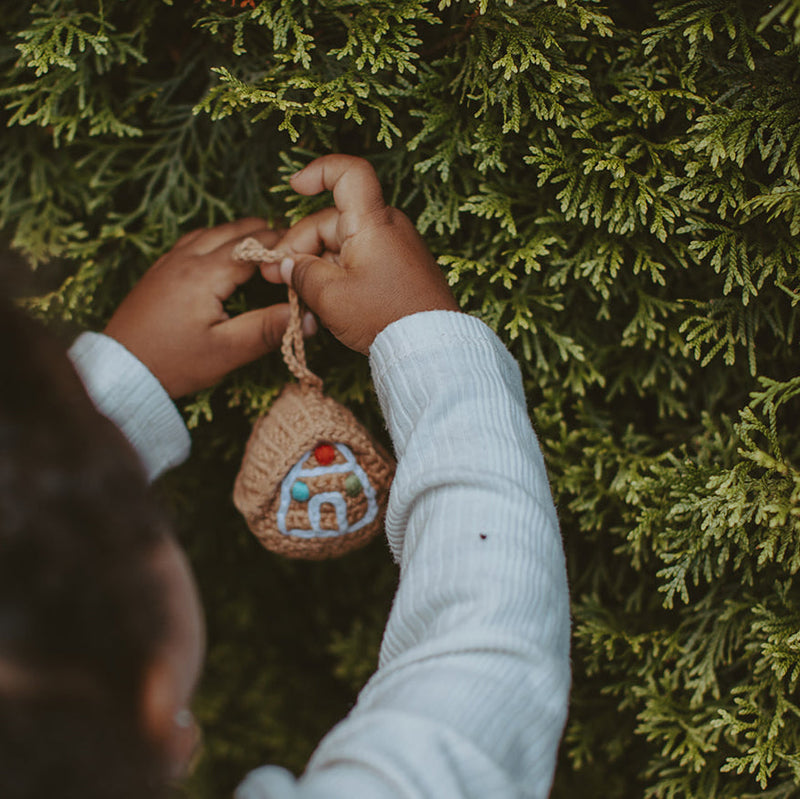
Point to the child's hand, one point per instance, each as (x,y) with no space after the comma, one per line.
(173,320)
(373,267)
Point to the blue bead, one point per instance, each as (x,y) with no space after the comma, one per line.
(300,491)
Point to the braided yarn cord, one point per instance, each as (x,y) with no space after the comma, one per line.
(313,482)
(292,347)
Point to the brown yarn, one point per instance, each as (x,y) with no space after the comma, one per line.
(292,348)
(282,452)
(251,249)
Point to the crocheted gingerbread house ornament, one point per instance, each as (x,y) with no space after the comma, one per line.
(313,482)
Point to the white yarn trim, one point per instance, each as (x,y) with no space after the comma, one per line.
(334,498)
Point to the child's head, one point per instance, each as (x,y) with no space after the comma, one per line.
(98,616)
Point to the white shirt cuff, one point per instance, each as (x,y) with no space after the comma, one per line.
(126,391)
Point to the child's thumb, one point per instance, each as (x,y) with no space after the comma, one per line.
(310,277)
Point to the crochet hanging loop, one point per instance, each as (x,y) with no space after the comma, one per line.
(293,348)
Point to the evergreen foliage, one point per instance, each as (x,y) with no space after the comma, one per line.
(615,188)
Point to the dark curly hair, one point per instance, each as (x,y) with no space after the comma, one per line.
(82,611)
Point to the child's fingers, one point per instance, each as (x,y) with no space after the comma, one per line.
(313,234)
(225,271)
(311,277)
(352,180)
(272,272)
(333,257)
(229,233)
(188,238)
(250,335)
(225,252)
(225,280)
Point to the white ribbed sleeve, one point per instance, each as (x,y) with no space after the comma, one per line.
(470,697)
(126,391)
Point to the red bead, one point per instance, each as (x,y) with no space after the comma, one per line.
(325,454)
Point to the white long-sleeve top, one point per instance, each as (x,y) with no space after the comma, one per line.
(470,696)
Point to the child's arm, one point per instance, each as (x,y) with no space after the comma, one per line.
(171,336)
(470,696)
